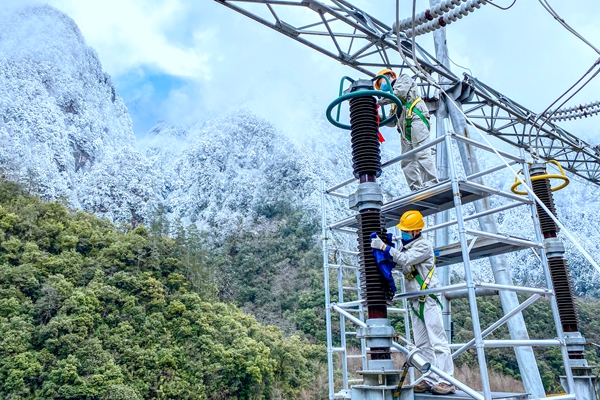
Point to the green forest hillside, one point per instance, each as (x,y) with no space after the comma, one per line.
(92,311)
(89,310)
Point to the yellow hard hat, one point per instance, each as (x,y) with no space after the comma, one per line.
(411,220)
(383,72)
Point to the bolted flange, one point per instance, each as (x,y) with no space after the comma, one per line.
(554,248)
(360,84)
(378,333)
(367,196)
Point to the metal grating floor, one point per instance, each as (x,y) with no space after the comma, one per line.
(428,201)
(484,247)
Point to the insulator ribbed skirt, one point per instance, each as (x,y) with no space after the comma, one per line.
(366,155)
(542,190)
(375,288)
(559,269)
(563,290)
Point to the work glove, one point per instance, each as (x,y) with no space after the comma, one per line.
(377,243)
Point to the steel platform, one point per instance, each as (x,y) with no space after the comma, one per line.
(483,247)
(460,395)
(429,201)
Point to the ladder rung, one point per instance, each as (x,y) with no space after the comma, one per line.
(350,288)
(351,333)
(396,310)
(354,380)
(354,253)
(355,356)
(336,266)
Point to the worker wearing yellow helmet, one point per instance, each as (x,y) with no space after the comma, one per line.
(413,125)
(416,260)
(381,84)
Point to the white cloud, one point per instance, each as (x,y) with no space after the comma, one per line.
(228,60)
(128,34)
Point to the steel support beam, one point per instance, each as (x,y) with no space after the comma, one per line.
(356,39)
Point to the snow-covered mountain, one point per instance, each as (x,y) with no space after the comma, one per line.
(65,132)
(60,112)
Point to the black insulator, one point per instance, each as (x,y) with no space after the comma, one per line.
(563,290)
(374,286)
(541,188)
(366,157)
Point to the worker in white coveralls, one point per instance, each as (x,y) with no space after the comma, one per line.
(413,125)
(416,260)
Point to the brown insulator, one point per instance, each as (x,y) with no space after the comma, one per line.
(366,157)
(375,288)
(563,290)
(542,190)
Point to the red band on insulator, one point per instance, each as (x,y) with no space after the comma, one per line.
(428,15)
(441,21)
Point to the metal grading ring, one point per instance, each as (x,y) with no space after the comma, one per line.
(562,177)
(362,93)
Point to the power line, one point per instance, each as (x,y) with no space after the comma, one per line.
(459,66)
(545,113)
(547,117)
(502,8)
(557,17)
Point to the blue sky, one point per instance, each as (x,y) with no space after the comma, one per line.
(145,91)
(184,61)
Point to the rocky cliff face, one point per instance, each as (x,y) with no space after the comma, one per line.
(59,112)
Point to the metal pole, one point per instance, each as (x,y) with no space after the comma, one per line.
(485,382)
(516,343)
(475,216)
(516,325)
(441,373)
(406,323)
(346,314)
(326,289)
(442,235)
(361,315)
(342,331)
(557,322)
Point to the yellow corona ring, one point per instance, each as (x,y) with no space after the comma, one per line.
(562,176)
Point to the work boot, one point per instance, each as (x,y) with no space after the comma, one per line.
(443,388)
(422,387)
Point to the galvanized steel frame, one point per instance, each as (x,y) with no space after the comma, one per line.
(372,45)
(494,113)
(470,285)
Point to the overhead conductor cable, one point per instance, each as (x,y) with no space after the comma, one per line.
(433,82)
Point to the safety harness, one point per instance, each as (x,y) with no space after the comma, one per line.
(411,107)
(414,274)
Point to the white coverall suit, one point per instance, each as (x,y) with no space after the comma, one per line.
(419,169)
(429,335)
